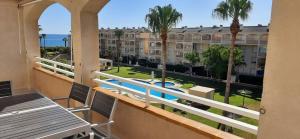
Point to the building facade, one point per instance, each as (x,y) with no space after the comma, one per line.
(142,44)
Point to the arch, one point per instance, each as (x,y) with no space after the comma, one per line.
(29,30)
(94,6)
(31,15)
(35,11)
(84,26)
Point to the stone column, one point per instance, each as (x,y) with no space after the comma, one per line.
(85,45)
(281,92)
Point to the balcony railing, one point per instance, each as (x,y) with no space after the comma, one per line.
(148,98)
(56,66)
(208,115)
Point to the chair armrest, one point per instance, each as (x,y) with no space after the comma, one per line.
(79,110)
(102,124)
(59,98)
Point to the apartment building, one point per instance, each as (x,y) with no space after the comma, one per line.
(133,42)
(142,44)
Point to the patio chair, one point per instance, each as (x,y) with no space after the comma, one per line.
(78,93)
(104,105)
(5,88)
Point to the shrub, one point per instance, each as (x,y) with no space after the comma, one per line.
(200,71)
(177,68)
(249,79)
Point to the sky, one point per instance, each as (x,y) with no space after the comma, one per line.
(131,13)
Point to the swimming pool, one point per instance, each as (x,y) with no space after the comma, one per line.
(142,89)
(167,84)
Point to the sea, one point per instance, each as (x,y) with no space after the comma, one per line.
(55,40)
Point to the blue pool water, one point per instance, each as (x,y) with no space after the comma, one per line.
(167,84)
(142,89)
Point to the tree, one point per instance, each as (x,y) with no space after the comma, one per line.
(44,38)
(40,28)
(40,40)
(216,59)
(193,59)
(119,33)
(40,36)
(235,9)
(161,20)
(65,40)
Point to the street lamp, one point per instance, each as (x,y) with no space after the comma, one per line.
(244,93)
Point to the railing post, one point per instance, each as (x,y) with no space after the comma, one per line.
(119,90)
(55,67)
(147,98)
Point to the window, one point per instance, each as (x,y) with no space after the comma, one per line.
(216,38)
(264,39)
(179,54)
(197,37)
(262,50)
(158,45)
(179,46)
(206,37)
(188,37)
(252,39)
(157,52)
(131,43)
(180,37)
(172,36)
(226,37)
(195,46)
(188,47)
(240,37)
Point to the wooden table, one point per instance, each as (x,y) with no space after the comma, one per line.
(32,116)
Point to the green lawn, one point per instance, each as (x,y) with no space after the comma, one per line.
(252,102)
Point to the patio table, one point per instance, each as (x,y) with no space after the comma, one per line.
(32,116)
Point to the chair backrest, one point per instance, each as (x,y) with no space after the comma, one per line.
(79,92)
(104,104)
(5,88)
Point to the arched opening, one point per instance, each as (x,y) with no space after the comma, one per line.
(55,37)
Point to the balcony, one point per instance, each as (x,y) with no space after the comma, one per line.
(188,37)
(137,118)
(59,71)
(252,39)
(197,37)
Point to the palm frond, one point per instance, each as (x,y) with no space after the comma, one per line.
(236,9)
(162,19)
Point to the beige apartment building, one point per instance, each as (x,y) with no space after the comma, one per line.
(142,44)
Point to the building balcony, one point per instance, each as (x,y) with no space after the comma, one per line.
(251,41)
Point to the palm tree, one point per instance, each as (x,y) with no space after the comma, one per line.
(44,38)
(236,10)
(40,40)
(161,20)
(40,28)
(118,33)
(40,36)
(193,58)
(65,40)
